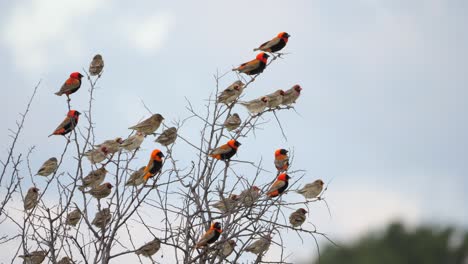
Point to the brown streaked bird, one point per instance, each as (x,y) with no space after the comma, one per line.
(94,178)
(227,204)
(167,137)
(101,191)
(102,218)
(154,165)
(312,190)
(275,44)
(254,66)
(298,217)
(68,124)
(232,122)
(73,217)
(96,155)
(133,142)
(49,167)
(71,85)
(290,96)
(226,151)
(250,196)
(150,248)
(111,145)
(149,125)
(259,246)
(210,236)
(281,160)
(35,257)
(279,186)
(96,65)
(227,248)
(31,198)
(136,178)
(256,106)
(231,93)
(65,260)
(275,99)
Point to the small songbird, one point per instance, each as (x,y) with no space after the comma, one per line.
(35,257)
(31,199)
(250,196)
(231,93)
(68,124)
(232,122)
(259,246)
(150,248)
(111,145)
(49,167)
(96,66)
(281,160)
(276,44)
(226,151)
(298,217)
(227,248)
(102,218)
(65,260)
(210,236)
(133,142)
(101,191)
(279,186)
(154,165)
(71,85)
(275,99)
(94,178)
(290,96)
(254,66)
(73,217)
(136,178)
(227,204)
(96,155)
(257,105)
(312,190)
(149,125)
(167,137)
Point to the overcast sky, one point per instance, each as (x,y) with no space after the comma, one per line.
(383,112)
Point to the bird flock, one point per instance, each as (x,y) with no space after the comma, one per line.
(94,185)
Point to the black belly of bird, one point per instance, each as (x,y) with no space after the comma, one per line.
(70,126)
(228,155)
(157,165)
(260,69)
(282,189)
(214,238)
(278,46)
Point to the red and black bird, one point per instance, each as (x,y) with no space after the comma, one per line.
(210,236)
(71,85)
(68,124)
(154,165)
(275,44)
(254,66)
(226,151)
(279,186)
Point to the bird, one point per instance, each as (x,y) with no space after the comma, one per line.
(96,155)
(259,246)
(150,248)
(275,44)
(96,66)
(31,198)
(281,160)
(227,204)
(210,236)
(73,217)
(102,218)
(149,125)
(111,145)
(226,151)
(48,167)
(154,165)
(136,178)
(275,99)
(35,257)
(227,248)
(133,142)
(250,196)
(312,190)
(257,105)
(65,260)
(254,66)
(290,96)
(101,191)
(68,124)
(298,217)
(231,93)
(167,137)
(94,178)
(279,186)
(71,85)
(232,122)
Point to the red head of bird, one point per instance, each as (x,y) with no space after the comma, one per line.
(255,188)
(264,99)
(108,185)
(157,155)
(262,56)
(297,88)
(282,92)
(279,152)
(216,226)
(234,197)
(73,113)
(34,189)
(76,75)
(283,35)
(283,177)
(234,143)
(303,211)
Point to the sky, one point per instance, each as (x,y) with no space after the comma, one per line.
(382,116)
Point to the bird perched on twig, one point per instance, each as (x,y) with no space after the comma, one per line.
(65,260)
(149,125)
(291,95)
(250,196)
(94,178)
(232,122)
(275,44)
(275,99)
(281,160)
(227,248)
(149,248)
(226,151)
(31,199)
(259,246)
(102,218)
(68,124)
(231,93)
(298,217)
(279,186)
(210,236)
(227,204)
(35,257)
(101,191)
(167,137)
(73,217)
(49,167)
(254,66)
(96,155)
(133,142)
(312,190)
(257,105)
(154,165)
(71,85)
(96,65)
(111,145)
(136,178)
